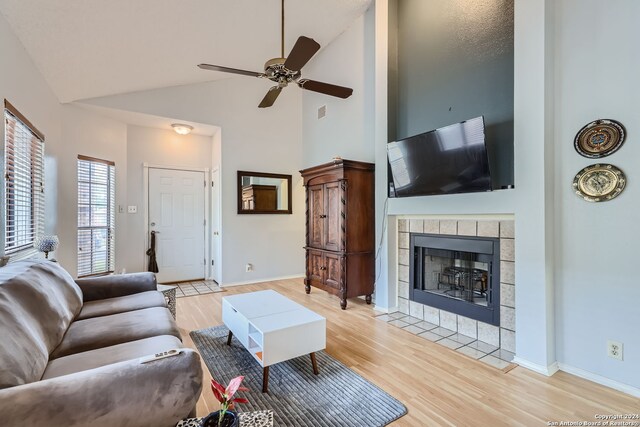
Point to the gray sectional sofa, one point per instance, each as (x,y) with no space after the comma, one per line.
(70,351)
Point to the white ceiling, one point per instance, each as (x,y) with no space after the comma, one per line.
(148,120)
(91,48)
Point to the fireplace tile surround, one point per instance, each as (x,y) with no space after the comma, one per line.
(502,337)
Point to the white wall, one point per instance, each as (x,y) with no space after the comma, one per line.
(597,292)
(253,139)
(69,131)
(157,147)
(346,130)
(22,84)
(533,153)
(88,134)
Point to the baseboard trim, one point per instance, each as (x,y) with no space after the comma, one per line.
(253,282)
(599,379)
(385,310)
(541,369)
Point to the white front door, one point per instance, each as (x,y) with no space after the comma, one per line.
(177,214)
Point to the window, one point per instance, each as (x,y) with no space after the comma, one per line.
(24,183)
(96,216)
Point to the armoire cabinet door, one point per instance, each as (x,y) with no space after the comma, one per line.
(333,208)
(316,267)
(333,272)
(316,216)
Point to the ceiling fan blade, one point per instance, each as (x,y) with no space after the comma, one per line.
(229,70)
(326,88)
(270,97)
(301,53)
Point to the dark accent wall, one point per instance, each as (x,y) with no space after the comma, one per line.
(449,61)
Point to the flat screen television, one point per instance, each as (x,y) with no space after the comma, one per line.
(448,160)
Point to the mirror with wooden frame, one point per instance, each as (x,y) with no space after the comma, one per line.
(264,193)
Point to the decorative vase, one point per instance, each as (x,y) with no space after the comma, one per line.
(230,419)
(46,244)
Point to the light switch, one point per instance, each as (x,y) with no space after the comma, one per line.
(132,209)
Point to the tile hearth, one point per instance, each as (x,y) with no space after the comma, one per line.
(491,355)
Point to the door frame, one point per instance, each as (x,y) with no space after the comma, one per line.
(216,205)
(207,210)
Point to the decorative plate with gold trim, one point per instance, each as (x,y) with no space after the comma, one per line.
(600,138)
(599,183)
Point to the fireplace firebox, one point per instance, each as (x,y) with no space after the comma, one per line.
(458,274)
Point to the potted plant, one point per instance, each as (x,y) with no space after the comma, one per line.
(225,417)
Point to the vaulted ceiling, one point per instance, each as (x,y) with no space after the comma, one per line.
(91,48)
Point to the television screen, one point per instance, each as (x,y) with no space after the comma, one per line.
(452,159)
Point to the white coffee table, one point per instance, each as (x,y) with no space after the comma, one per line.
(273,328)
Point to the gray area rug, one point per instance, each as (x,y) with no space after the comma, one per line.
(336,397)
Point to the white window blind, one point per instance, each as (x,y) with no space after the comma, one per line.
(24,183)
(96,216)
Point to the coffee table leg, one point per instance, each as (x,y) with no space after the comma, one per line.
(265,379)
(314,363)
(229,338)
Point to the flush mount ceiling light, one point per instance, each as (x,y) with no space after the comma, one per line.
(182,129)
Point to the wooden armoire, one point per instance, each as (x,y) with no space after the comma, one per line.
(340,243)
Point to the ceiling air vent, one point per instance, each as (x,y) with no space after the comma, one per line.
(322,111)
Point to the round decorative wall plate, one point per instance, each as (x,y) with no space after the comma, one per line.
(599,183)
(600,138)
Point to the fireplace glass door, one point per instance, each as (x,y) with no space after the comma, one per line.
(459,275)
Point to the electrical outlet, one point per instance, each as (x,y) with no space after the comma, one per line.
(132,209)
(614,349)
(248,267)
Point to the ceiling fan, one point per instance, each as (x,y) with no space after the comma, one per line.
(287,70)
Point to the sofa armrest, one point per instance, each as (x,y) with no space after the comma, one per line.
(118,285)
(158,393)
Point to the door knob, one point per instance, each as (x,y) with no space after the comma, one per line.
(323,216)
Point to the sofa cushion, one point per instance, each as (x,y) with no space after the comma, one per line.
(116,285)
(123,304)
(38,301)
(108,355)
(98,332)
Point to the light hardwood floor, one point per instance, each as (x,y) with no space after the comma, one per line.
(438,386)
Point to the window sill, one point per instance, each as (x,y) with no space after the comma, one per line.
(24,254)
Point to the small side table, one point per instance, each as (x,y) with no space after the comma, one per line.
(169,293)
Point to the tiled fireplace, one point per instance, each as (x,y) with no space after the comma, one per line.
(446,264)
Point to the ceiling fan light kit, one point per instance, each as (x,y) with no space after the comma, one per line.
(285,70)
